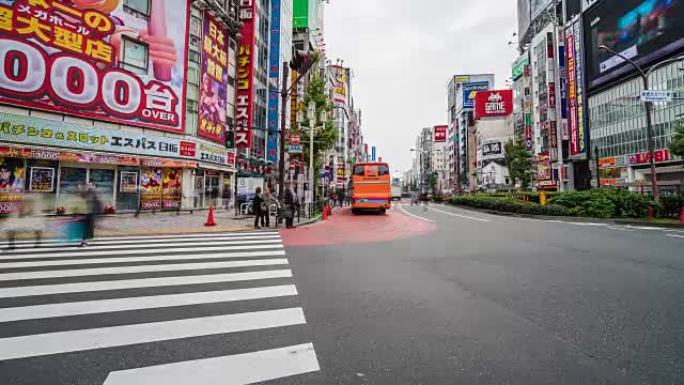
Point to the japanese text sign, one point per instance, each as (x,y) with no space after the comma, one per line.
(94,60)
(214,81)
(494,103)
(245,73)
(440,134)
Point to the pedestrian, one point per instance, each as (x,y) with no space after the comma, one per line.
(289,201)
(93,208)
(340,197)
(257,207)
(268,201)
(24,219)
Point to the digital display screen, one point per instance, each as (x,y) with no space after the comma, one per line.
(641,30)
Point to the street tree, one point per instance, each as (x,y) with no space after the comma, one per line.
(519,163)
(677,145)
(325,136)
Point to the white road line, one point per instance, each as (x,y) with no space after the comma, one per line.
(675,236)
(157,250)
(138,303)
(99,338)
(141,283)
(138,269)
(157,245)
(29,244)
(153,238)
(241,369)
(621,229)
(192,235)
(155,258)
(414,216)
(460,215)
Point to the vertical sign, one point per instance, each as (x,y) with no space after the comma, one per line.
(214,82)
(440,134)
(562,87)
(274,74)
(579,74)
(341,85)
(373,154)
(245,71)
(576,118)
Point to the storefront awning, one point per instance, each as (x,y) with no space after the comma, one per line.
(216,167)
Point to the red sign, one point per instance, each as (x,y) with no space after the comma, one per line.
(67,57)
(214,81)
(295,139)
(440,134)
(188,149)
(493,103)
(230,158)
(662,155)
(245,77)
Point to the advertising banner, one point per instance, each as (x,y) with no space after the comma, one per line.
(492,149)
(97,60)
(245,77)
(563,85)
(543,167)
(644,31)
(171,188)
(42,179)
(129,182)
(470,90)
(493,103)
(576,94)
(27,130)
(12,174)
(214,82)
(274,74)
(340,86)
(519,66)
(440,134)
(150,188)
(246,188)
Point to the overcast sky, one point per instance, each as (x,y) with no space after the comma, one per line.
(403,53)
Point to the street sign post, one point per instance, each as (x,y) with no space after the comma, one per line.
(656,96)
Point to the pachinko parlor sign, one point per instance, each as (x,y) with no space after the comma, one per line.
(96,59)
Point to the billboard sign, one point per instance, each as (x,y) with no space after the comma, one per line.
(656,96)
(519,66)
(492,149)
(96,60)
(340,86)
(373,154)
(644,31)
(494,103)
(576,94)
(214,82)
(244,109)
(440,134)
(274,74)
(470,90)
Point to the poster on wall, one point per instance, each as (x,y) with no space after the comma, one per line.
(42,179)
(150,188)
(214,82)
(171,188)
(12,177)
(129,182)
(97,59)
(245,77)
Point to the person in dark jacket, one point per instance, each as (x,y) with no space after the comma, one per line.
(256,207)
(289,207)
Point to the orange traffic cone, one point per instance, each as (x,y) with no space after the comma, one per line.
(210,220)
(325,213)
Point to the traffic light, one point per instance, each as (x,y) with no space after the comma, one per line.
(230,139)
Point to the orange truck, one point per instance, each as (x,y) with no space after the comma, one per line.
(371,187)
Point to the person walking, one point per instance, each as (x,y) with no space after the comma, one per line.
(340,197)
(266,207)
(257,206)
(23,220)
(93,207)
(289,201)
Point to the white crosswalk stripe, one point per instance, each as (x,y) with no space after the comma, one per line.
(56,300)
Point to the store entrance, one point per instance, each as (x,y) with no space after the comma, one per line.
(103,180)
(212,190)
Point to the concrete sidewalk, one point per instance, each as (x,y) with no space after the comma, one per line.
(170,223)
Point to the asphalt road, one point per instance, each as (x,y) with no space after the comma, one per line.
(483,299)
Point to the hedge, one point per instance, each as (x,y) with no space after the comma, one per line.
(508,205)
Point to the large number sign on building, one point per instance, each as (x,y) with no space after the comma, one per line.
(95,60)
(245,77)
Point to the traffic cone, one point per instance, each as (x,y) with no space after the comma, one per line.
(325,213)
(210,219)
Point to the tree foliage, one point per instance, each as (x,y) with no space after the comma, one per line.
(677,145)
(519,162)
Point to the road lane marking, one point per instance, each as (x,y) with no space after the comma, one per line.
(138,269)
(106,337)
(199,235)
(460,215)
(240,369)
(158,250)
(675,236)
(414,216)
(156,258)
(138,303)
(154,245)
(141,283)
(155,238)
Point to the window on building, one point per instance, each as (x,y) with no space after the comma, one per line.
(138,6)
(134,56)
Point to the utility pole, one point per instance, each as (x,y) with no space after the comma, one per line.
(283,116)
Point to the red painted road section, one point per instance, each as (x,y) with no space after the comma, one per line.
(344,228)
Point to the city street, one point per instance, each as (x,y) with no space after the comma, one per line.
(443,296)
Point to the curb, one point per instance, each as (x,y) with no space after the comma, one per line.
(611,221)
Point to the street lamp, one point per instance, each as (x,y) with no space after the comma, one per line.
(648,106)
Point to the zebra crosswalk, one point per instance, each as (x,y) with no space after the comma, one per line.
(196,308)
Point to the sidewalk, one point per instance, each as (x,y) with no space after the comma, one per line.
(170,223)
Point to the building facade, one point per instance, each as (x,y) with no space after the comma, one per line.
(139,113)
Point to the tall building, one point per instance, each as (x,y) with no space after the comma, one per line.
(461,102)
(116,107)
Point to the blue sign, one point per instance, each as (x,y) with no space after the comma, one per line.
(470,90)
(373,154)
(274,73)
(295,149)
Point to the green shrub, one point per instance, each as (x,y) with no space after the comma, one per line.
(507,204)
(672,205)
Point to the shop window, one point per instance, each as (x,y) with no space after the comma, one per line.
(141,7)
(135,56)
(103,180)
(71,184)
(127,189)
